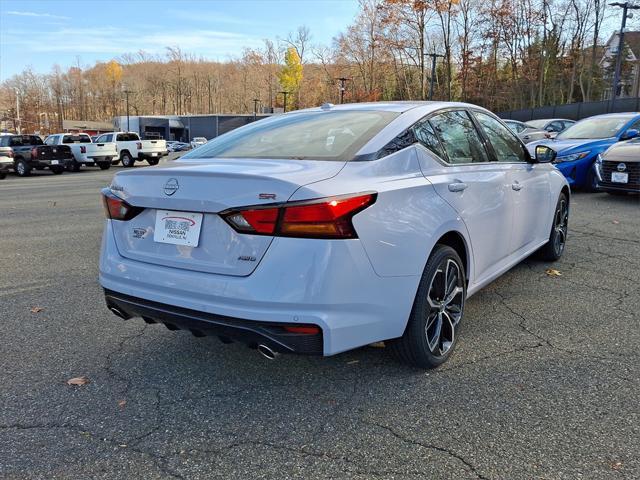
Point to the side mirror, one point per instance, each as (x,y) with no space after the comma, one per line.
(629,134)
(544,154)
(550,128)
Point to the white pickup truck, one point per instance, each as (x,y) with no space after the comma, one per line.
(84,151)
(131,148)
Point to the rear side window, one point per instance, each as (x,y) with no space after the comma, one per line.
(51,140)
(427,137)
(505,144)
(459,137)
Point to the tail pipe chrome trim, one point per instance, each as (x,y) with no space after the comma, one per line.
(267,352)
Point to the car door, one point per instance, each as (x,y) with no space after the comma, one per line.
(475,187)
(529,189)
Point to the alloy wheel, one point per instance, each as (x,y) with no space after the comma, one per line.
(446,302)
(560,225)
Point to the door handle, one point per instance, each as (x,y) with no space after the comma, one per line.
(457,187)
(516,186)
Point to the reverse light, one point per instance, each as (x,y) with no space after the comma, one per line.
(117,209)
(321,218)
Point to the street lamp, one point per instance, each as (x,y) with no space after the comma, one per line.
(626,6)
(18,126)
(126,93)
(256,101)
(343,81)
(284,94)
(434,56)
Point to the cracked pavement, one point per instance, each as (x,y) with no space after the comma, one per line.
(544,383)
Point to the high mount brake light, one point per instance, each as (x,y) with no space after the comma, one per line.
(117,209)
(322,218)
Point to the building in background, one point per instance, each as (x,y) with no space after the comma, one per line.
(630,67)
(86,126)
(183,127)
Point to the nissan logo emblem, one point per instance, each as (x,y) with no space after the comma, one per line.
(621,167)
(171,186)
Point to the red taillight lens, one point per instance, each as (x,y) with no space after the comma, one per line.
(117,209)
(324,218)
(83,149)
(139,145)
(34,152)
(303,329)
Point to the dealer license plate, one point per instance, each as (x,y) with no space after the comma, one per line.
(619,177)
(178,228)
(54,162)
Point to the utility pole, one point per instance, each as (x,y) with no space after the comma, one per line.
(434,57)
(17,120)
(626,6)
(284,94)
(126,93)
(256,101)
(343,81)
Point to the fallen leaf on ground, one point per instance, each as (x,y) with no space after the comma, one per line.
(122,403)
(36,309)
(616,465)
(352,362)
(377,345)
(615,222)
(552,272)
(78,381)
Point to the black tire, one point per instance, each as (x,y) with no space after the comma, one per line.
(431,333)
(127,160)
(115,162)
(592,181)
(57,170)
(73,166)
(104,165)
(3,175)
(153,161)
(554,248)
(22,168)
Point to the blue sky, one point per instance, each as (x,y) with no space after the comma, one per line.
(43,33)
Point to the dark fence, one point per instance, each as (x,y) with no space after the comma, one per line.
(574,111)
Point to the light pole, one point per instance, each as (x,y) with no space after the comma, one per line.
(284,94)
(434,56)
(626,6)
(256,101)
(126,94)
(18,129)
(343,81)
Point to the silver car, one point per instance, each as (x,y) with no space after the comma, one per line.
(525,132)
(553,126)
(327,229)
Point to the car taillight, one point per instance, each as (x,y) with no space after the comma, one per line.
(139,145)
(322,218)
(303,329)
(117,209)
(83,149)
(34,152)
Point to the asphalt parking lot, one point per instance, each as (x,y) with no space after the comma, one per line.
(544,383)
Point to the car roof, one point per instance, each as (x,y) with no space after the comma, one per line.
(621,114)
(399,106)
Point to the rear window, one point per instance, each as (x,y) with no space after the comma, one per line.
(76,139)
(334,135)
(24,140)
(127,137)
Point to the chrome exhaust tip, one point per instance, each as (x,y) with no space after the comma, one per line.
(117,312)
(267,352)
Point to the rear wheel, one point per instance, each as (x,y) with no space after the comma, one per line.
(127,160)
(57,170)
(554,248)
(104,165)
(22,168)
(73,166)
(431,333)
(153,161)
(3,175)
(592,182)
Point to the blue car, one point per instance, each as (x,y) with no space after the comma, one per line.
(579,145)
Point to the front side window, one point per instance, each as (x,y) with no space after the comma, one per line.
(331,135)
(505,145)
(459,137)
(51,140)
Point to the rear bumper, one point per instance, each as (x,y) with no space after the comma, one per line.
(147,156)
(252,333)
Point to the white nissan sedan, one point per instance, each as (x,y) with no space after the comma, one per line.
(323,230)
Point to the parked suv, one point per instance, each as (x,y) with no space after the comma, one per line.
(30,152)
(331,228)
(6,161)
(131,149)
(84,151)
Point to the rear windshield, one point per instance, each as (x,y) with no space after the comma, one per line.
(25,140)
(76,139)
(334,135)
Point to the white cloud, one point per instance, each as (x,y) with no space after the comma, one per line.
(34,14)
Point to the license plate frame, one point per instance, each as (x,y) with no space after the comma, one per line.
(178,228)
(619,177)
